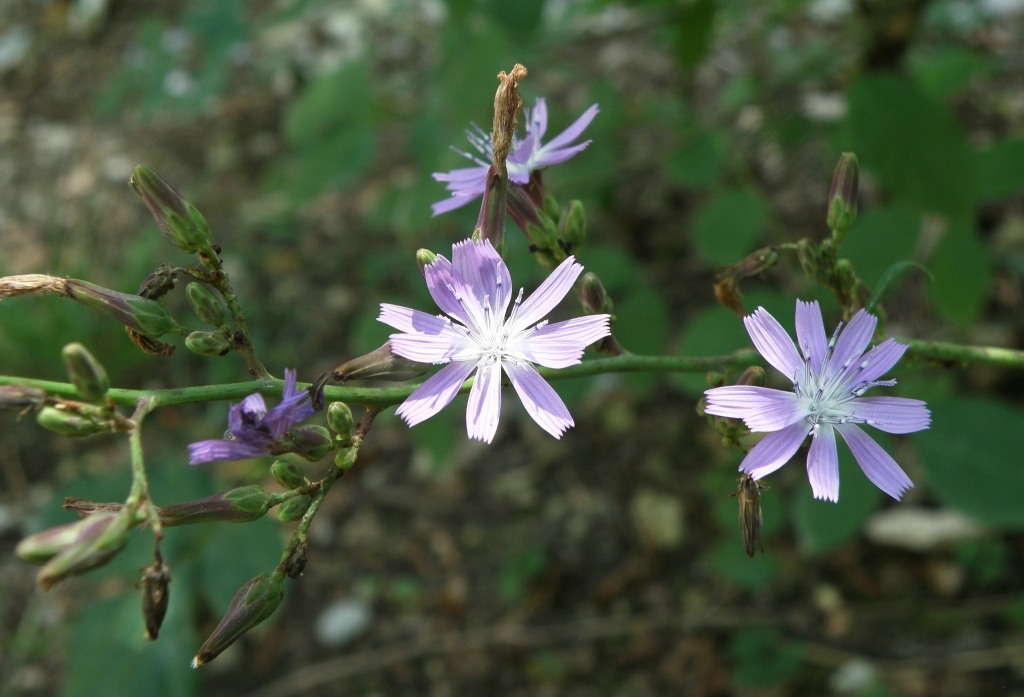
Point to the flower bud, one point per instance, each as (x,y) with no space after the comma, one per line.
(145,316)
(380,363)
(593,295)
(71,549)
(89,377)
(754,375)
(309,442)
(207,343)
(155,579)
(339,418)
(573,225)
(205,304)
(18,397)
(74,424)
(254,602)
(424,258)
(239,505)
(287,474)
(842,197)
(293,509)
(345,458)
(180,222)
(159,283)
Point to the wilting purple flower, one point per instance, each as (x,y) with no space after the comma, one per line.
(252,429)
(467,183)
(474,290)
(828,382)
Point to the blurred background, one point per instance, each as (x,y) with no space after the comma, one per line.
(606,563)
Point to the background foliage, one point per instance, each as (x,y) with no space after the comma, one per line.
(307,132)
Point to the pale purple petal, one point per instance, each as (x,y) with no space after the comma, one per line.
(561,344)
(440,285)
(462,178)
(435,393)
(761,408)
(810,333)
(210,450)
(875,363)
(551,292)
(571,133)
(823,464)
(541,401)
(426,348)
(774,450)
(853,339)
(455,201)
(537,119)
(877,465)
(406,319)
(893,414)
(481,277)
(484,408)
(772,342)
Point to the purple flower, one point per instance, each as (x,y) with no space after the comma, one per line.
(252,430)
(828,384)
(467,183)
(474,290)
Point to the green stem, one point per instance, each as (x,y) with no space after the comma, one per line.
(629,363)
(138,497)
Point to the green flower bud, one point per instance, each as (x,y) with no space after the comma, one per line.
(239,505)
(381,363)
(207,343)
(89,377)
(287,474)
(310,442)
(595,299)
(424,258)
(294,508)
(254,602)
(345,458)
(145,316)
(573,225)
(206,305)
(842,196)
(73,424)
(339,418)
(95,541)
(180,222)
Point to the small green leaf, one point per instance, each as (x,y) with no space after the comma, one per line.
(891,275)
(693,32)
(1000,173)
(961,275)
(881,237)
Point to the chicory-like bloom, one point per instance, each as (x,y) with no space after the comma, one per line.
(829,381)
(253,429)
(474,289)
(468,183)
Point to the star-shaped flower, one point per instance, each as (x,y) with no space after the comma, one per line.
(828,383)
(467,183)
(252,429)
(475,290)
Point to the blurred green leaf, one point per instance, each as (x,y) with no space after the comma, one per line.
(730,562)
(1000,173)
(699,160)
(728,225)
(912,143)
(945,71)
(971,455)
(822,525)
(962,275)
(235,553)
(890,279)
(763,657)
(694,27)
(881,237)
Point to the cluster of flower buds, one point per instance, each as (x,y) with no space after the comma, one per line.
(70,549)
(210,310)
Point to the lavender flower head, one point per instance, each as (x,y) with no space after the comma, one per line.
(828,383)
(252,430)
(528,155)
(474,290)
